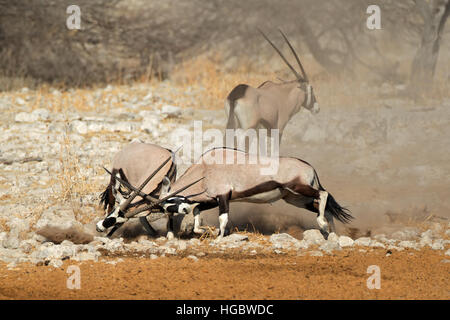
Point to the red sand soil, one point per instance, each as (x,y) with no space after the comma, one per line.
(408,274)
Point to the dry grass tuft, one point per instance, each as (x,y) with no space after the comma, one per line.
(207,74)
(4,224)
(210,233)
(73,182)
(37,212)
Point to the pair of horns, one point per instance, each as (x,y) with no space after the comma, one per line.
(138,192)
(154,204)
(297,75)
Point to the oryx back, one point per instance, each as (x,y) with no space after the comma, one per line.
(139,160)
(269,106)
(135,162)
(227,170)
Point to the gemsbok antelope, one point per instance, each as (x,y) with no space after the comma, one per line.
(225,174)
(131,166)
(271,105)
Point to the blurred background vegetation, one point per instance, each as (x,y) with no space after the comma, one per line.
(128,40)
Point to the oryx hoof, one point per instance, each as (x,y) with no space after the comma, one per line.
(219,236)
(324,233)
(170,235)
(200,230)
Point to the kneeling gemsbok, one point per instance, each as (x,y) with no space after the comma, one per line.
(131,166)
(139,181)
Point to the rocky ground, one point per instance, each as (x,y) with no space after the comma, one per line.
(48,253)
(389,165)
(242,266)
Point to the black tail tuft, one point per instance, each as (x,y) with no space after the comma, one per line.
(104,198)
(340,213)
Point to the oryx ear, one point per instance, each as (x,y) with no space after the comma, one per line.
(165,187)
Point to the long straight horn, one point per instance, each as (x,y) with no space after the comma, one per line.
(154,204)
(281,55)
(132,188)
(305,77)
(134,194)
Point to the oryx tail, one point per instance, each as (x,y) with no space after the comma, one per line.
(332,206)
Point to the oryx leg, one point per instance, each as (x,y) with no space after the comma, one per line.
(323,224)
(197,228)
(170,234)
(165,187)
(224,209)
(330,220)
(307,197)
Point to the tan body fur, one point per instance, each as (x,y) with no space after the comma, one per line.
(237,178)
(269,106)
(229,175)
(134,163)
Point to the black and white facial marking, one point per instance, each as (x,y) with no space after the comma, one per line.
(177,205)
(116,215)
(310,99)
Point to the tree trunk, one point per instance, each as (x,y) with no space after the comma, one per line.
(321,55)
(424,63)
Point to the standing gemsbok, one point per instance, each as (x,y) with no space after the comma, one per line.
(225,175)
(271,105)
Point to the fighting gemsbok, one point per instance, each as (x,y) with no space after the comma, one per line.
(132,165)
(136,184)
(271,105)
(227,174)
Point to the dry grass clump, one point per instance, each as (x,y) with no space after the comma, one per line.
(209,234)
(73,182)
(213,81)
(4,224)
